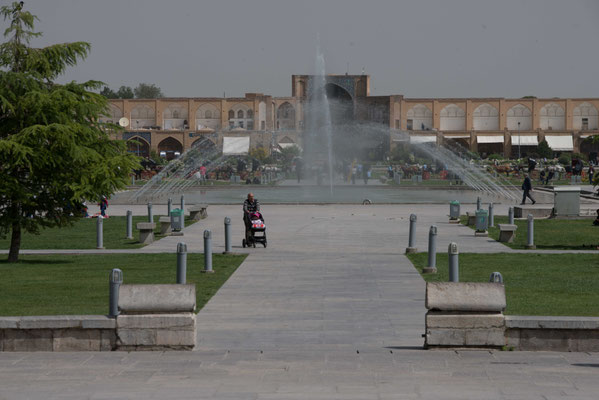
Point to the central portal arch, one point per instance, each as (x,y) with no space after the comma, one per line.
(341,104)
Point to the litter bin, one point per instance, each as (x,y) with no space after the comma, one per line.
(176,219)
(482,220)
(454,209)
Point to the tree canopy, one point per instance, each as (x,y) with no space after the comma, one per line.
(54,152)
(142,91)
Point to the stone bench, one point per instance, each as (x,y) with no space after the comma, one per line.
(146,232)
(156,317)
(471,218)
(165,225)
(507,232)
(198,211)
(465,314)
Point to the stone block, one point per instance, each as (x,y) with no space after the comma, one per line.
(76,340)
(97,322)
(157,321)
(135,337)
(157,298)
(107,340)
(465,296)
(165,225)
(28,340)
(471,218)
(175,338)
(51,322)
(463,321)
(146,226)
(493,337)
(512,338)
(446,337)
(549,322)
(507,232)
(9,322)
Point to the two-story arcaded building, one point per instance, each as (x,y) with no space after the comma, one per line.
(487,125)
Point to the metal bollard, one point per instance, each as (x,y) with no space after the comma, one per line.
(100,233)
(227,235)
(412,238)
(496,277)
(454,266)
(115,280)
(491,216)
(150,213)
(478,203)
(432,251)
(530,241)
(183,204)
(510,215)
(181,262)
(129,224)
(208,251)
(169,206)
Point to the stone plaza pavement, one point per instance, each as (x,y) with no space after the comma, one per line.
(331,309)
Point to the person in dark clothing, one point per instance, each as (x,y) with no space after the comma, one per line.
(527,188)
(250,206)
(591,173)
(549,177)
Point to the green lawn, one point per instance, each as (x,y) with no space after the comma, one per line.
(535,284)
(82,235)
(564,234)
(78,284)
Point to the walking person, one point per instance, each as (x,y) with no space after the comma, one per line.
(591,173)
(103,206)
(527,188)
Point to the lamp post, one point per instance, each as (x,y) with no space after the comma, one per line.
(518,141)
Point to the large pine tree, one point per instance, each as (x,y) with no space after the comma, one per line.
(54,152)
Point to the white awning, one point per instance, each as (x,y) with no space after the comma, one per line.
(560,143)
(286,145)
(457,137)
(236,145)
(586,136)
(525,140)
(489,139)
(423,139)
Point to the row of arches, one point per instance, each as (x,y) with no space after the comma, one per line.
(169,147)
(486,117)
(176,116)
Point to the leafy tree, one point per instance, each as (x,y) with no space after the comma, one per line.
(108,93)
(54,152)
(125,92)
(147,91)
(259,153)
(544,150)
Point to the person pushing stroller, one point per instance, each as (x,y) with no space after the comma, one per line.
(250,206)
(254,222)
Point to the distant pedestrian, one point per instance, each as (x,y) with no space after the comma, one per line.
(527,188)
(103,206)
(591,173)
(354,171)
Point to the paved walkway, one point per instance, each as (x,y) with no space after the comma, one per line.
(332,309)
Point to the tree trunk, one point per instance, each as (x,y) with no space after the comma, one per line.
(15,243)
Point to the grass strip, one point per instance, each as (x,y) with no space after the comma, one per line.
(551,234)
(78,284)
(535,284)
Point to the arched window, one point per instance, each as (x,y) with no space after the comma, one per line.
(485,118)
(231,114)
(208,114)
(419,118)
(519,113)
(250,114)
(240,114)
(286,116)
(552,117)
(585,117)
(142,117)
(453,118)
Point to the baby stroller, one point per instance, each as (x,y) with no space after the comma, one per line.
(256,226)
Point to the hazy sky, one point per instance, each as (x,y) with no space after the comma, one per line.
(424,48)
